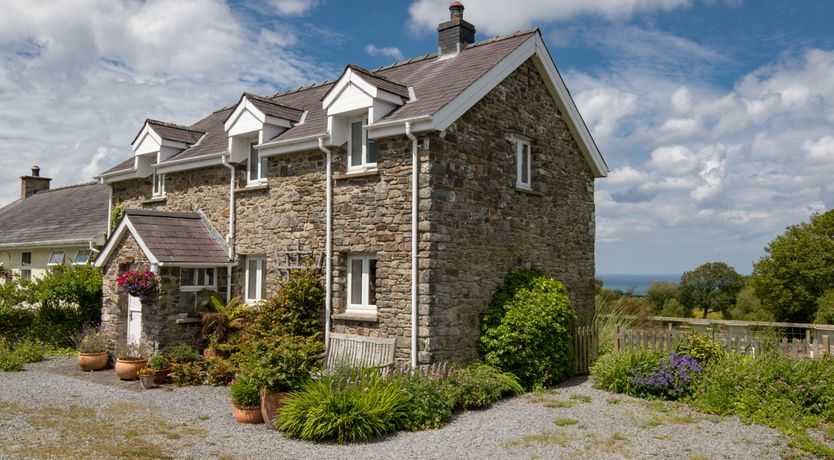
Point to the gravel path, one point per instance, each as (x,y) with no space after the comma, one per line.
(54,410)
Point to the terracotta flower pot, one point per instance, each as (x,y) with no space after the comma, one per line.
(270,404)
(128,369)
(147,381)
(160,376)
(247,414)
(92,361)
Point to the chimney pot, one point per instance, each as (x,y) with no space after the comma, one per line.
(455,33)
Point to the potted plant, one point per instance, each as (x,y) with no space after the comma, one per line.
(130,358)
(246,400)
(146,378)
(161,368)
(182,353)
(138,283)
(92,349)
(279,365)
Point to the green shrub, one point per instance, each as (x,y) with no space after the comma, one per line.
(613,371)
(479,386)
(185,374)
(356,410)
(788,394)
(825,308)
(158,363)
(431,396)
(10,362)
(701,347)
(527,329)
(219,371)
(30,351)
(182,353)
(244,392)
(296,308)
(281,363)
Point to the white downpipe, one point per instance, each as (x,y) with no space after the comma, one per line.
(328,256)
(230,235)
(415,171)
(109,207)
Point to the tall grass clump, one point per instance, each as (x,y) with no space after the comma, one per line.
(615,372)
(344,410)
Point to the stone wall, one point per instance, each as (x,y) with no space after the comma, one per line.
(480,225)
(114,303)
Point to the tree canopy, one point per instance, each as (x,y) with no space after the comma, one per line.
(712,286)
(797,270)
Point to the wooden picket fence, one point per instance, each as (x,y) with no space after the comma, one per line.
(666,340)
(585,348)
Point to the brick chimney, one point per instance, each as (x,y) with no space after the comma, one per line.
(455,33)
(30,185)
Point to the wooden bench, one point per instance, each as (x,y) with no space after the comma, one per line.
(358,351)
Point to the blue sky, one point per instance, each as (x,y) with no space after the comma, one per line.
(715,116)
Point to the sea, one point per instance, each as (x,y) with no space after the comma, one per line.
(636,283)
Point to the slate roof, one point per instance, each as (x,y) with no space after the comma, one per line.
(436,82)
(178,237)
(176,133)
(275,109)
(76,212)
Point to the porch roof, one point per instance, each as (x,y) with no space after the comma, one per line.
(170,238)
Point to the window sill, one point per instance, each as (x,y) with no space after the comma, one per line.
(154,200)
(358,173)
(528,191)
(252,188)
(356,316)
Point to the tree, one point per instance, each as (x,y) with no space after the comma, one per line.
(748,307)
(660,292)
(797,270)
(712,286)
(825,308)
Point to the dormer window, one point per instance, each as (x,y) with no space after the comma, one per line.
(364,152)
(158,184)
(257,168)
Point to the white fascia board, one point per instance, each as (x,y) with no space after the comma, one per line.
(196,264)
(295,145)
(556,85)
(190,163)
(348,78)
(275,121)
(173,144)
(48,244)
(243,106)
(119,176)
(397,127)
(112,242)
(389,97)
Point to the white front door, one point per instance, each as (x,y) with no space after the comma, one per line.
(134,320)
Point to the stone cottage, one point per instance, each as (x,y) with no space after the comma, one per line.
(415,186)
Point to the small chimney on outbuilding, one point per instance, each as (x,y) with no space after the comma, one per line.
(30,185)
(455,33)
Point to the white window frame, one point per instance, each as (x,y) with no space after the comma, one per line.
(198,287)
(365,306)
(520,143)
(364,165)
(51,255)
(89,253)
(261,278)
(260,177)
(158,187)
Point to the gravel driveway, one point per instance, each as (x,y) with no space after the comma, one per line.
(54,410)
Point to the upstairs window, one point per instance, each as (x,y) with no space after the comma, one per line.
(361,283)
(257,167)
(192,281)
(158,184)
(25,259)
(364,152)
(523,161)
(255,279)
(56,258)
(82,256)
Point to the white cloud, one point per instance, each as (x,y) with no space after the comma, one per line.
(500,16)
(391,52)
(821,149)
(292,7)
(77,78)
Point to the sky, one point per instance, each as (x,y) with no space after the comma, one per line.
(716,117)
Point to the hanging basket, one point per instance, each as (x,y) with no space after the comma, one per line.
(140,284)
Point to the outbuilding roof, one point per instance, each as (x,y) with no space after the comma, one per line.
(75,214)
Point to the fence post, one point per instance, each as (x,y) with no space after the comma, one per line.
(825,344)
